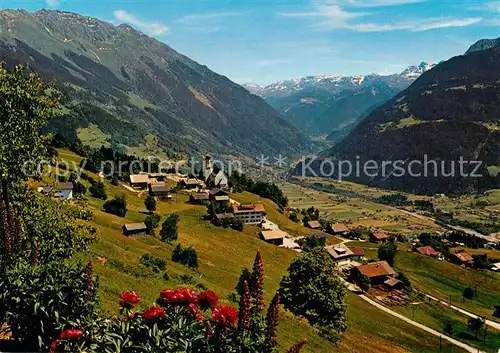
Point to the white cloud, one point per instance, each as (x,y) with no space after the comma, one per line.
(375,3)
(205,22)
(152,28)
(489,6)
(271,62)
(332,14)
(196,19)
(52,3)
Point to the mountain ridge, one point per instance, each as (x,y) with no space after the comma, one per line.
(328,105)
(448,113)
(129,86)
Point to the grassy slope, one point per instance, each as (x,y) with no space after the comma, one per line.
(437,316)
(445,280)
(223,253)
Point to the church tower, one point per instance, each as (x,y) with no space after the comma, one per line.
(207,166)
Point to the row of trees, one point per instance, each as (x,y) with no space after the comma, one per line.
(241,182)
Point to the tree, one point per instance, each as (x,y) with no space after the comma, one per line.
(448,329)
(116,206)
(364,283)
(475,324)
(405,281)
(169,228)
(28,104)
(151,222)
(314,289)
(185,256)
(496,313)
(150,203)
(98,190)
(387,251)
(238,225)
(310,243)
(468,293)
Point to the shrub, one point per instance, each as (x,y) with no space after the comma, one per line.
(154,263)
(405,280)
(294,217)
(115,181)
(180,321)
(169,228)
(185,256)
(40,300)
(98,190)
(116,206)
(166,276)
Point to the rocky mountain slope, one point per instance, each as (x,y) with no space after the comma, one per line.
(448,114)
(326,104)
(122,87)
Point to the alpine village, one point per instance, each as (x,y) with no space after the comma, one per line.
(150,204)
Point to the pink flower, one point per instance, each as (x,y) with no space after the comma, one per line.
(208,299)
(129,299)
(225,316)
(154,312)
(71,334)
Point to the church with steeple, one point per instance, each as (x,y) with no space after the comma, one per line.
(213,176)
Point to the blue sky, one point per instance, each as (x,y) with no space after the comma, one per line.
(263,41)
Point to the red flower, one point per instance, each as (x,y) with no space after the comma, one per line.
(208,299)
(154,312)
(53,346)
(129,299)
(225,316)
(71,334)
(200,317)
(179,296)
(194,309)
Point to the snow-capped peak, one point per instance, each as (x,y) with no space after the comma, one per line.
(416,71)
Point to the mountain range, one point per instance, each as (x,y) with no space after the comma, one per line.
(333,105)
(450,113)
(123,88)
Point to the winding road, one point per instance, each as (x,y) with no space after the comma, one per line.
(490,323)
(422,327)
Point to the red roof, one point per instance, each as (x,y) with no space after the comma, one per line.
(258,207)
(380,235)
(376,269)
(358,251)
(314,224)
(464,256)
(427,250)
(339,228)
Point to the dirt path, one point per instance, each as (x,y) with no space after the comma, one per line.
(490,323)
(423,327)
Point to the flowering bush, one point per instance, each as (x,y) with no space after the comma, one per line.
(40,290)
(182,321)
